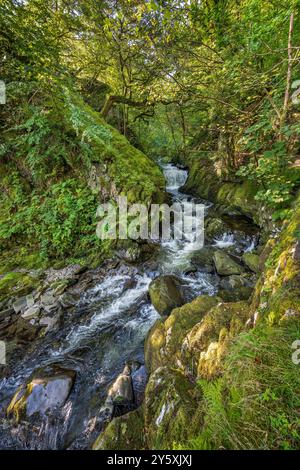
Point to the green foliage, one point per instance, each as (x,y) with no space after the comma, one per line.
(273,174)
(255,404)
(62,220)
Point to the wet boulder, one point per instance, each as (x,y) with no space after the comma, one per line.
(121,391)
(225,264)
(203,259)
(215,227)
(163,342)
(41,394)
(139,381)
(165,293)
(221,323)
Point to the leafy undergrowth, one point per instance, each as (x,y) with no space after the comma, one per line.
(59,160)
(256,403)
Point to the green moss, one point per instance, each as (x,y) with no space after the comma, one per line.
(16,284)
(279,286)
(163,342)
(62,146)
(251,260)
(203,181)
(21,258)
(123,433)
(231,316)
(181,321)
(171,410)
(154,344)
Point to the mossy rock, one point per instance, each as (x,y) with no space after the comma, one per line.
(165,293)
(16,284)
(251,260)
(278,290)
(163,343)
(171,408)
(203,259)
(181,320)
(235,295)
(154,346)
(123,433)
(225,265)
(240,197)
(214,228)
(231,316)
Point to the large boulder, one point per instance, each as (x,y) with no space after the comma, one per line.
(215,227)
(41,394)
(203,259)
(251,260)
(222,322)
(171,408)
(236,287)
(165,293)
(123,433)
(162,345)
(225,265)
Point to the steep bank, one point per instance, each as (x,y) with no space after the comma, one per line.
(59,160)
(220,370)
(205,181)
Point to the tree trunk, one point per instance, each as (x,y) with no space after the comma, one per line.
(288,78)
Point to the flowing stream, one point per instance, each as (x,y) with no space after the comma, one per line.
(107,331)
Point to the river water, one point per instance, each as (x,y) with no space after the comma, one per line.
(108,331)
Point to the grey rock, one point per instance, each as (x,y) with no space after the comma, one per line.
(49,322)
(20,305)
(42,394)
(49,302)
(30,300)
(32,312)
(139,382)
(68,300)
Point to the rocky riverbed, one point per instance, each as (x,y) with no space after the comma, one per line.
(75,342)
